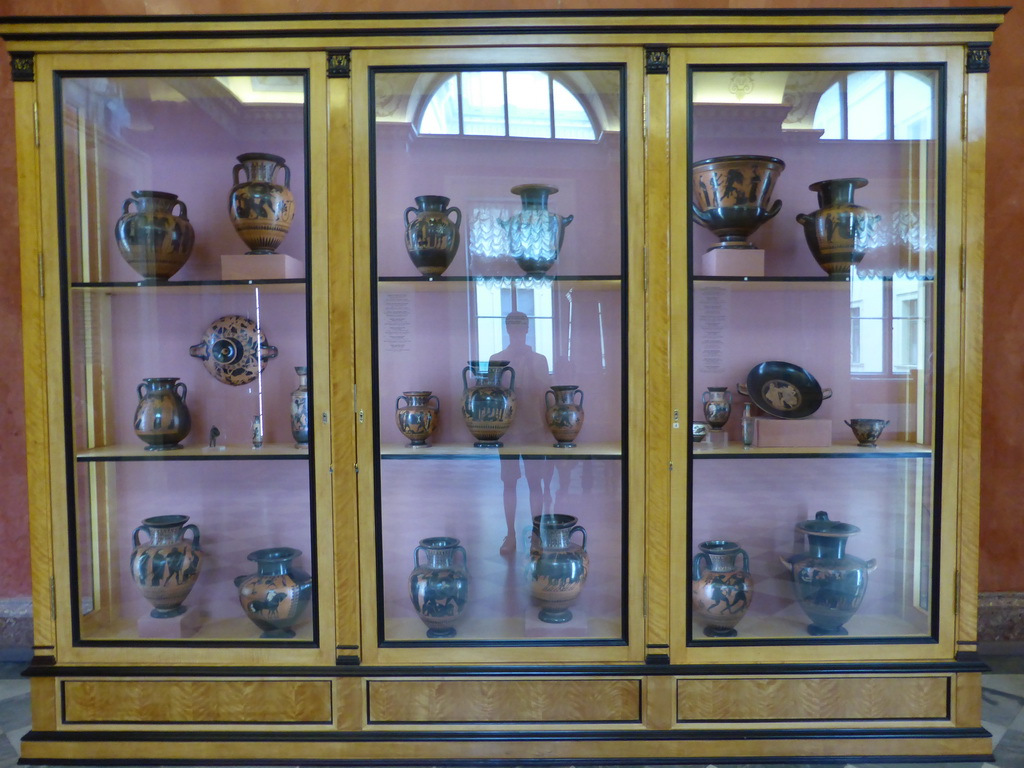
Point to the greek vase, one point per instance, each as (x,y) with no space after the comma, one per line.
(535,234)
(432,235)
(299,409)
(161,418)
(260,209)
(488,407)
(275,597)
(564,414)
(418,418)
(166,567)
(717,406)
(557,568)
(840,232)
(154,241)
(721,590)
(439,587)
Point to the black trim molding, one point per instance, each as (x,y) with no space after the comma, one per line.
(23,67)
(339,63)
(656,59)
(978,55)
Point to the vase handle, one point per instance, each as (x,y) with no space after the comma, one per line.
(700,215)
(776,207)
(580,393)
(127,202)
(399,399)
(268,352)
(195,534)
(702,557)
(465,560)
(582,530)
(742,389)
(184,210)
(567,220)
(871,565)
(234,173)
(465,381)
(436,401)
(199,350)
(135,535)
(511,377)
(409,210)
(458,215)
(549,399)
(287,176)
(416,557)
(746,560)
(184,390)
(826,393)
(139,388)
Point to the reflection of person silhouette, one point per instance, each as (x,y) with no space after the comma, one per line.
(528,428)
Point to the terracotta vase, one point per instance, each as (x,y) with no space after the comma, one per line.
(162,418)
(829,584)
(275,597)
(299,409)
(165,567)
(564,414)
(840,232)
(721,590)
(717,406)
(732,196)
(260,209)
(418,418)
(439,586)
(432,235)
(535,234)
(488,407)
(234,350)
(557,568)
(154,241)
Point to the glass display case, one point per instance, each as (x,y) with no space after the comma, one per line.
(541,386)
(185,257)
(818,271)
(500,273)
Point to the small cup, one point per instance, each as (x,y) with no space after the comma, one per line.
(867,431)
(699,430)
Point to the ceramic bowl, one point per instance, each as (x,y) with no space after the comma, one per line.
(867,431)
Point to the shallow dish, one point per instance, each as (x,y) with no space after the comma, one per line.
(784,390)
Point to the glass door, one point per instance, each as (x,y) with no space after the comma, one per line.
(817,290)
(500,270)
(185,285)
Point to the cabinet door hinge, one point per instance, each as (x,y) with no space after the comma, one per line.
(956,592)
(963,268)
(53,599)
(35,121)
(42,281)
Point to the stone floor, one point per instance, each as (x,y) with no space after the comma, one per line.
(1003,716)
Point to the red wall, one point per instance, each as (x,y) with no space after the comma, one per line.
(1002,548)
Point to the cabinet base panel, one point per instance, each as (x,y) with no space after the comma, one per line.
(161,748)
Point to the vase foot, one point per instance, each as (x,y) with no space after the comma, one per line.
(171,447)
(441,632)
(555,617)
(167,613)
(816,631)
(720,632)
(488,444)
(278,633)
(564,445)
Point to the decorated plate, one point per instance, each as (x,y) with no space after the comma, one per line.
(784,390)
(234,350)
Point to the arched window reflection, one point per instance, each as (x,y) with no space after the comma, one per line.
(875,105)
(525,104)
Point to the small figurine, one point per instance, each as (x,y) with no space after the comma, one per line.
(257,432)
(214,434)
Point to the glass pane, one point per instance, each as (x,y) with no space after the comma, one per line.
(529,104)
(502,282)
(188,356)
(814,492)
(442,111)
(483,103)
(571,119)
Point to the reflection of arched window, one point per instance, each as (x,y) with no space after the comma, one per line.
(506,103)
(878,105)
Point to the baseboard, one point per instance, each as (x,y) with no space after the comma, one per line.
(1000,617)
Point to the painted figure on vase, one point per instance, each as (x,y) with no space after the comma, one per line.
(529,428)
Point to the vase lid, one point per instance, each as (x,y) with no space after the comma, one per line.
(854,181)
(261,156)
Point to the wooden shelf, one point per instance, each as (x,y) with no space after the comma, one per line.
(839,450)
(272,451)
(507,452)
(296,285)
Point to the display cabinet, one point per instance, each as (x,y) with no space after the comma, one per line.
(524,387)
